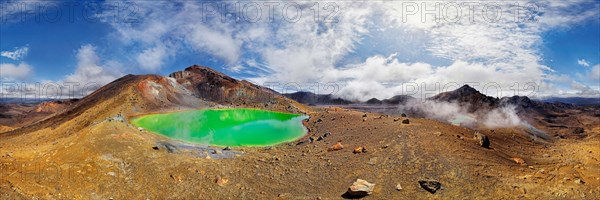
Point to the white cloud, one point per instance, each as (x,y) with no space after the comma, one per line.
(90,74)
(89,70)
(20,10)
(16,54)
(505,52)
(165,28)
(595,73)
(584,90)
(19,71)
(218,43)
(153,58)
(583,62)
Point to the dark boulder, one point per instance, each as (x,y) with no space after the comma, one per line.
(482,140)
(431,186)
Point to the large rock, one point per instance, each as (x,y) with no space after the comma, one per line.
(482,140)
(431,186)
(360,188)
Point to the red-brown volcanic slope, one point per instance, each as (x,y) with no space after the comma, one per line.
(88,152)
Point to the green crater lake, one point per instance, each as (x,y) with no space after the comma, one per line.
(226,127)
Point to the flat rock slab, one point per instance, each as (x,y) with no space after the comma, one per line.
(430,185)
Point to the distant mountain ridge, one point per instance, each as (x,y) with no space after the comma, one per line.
(573,100)
(467,96)
(328,99)
(310,98)
(560,118)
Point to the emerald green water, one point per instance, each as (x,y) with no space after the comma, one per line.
(226,127)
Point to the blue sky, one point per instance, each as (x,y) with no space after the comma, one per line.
(372,49)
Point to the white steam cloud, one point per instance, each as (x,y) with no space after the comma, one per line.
(454,113)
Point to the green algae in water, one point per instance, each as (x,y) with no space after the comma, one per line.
(226,127)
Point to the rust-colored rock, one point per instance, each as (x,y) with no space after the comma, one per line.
(359,150)
(336,147)
(519,161)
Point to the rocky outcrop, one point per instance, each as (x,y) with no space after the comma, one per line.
(468,97)
(215,86)
(54,106)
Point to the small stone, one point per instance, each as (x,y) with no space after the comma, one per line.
(364,115)
(326,134)
(227,148)
(319,120)
(284,195)
(519,161)
(336,147)
(403,115)
(360,188)
(359,150)
(398,187)
(306,141)
(170,148)
(372,161)
(221,181)
(430,185)
(579,181)
(405,121)
(177,178)
(155,147)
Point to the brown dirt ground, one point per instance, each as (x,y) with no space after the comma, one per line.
(112,159)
